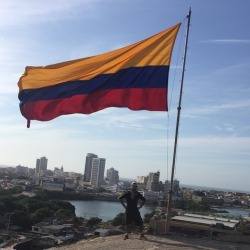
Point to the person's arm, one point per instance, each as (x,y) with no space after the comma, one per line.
(122,202)
(143,201)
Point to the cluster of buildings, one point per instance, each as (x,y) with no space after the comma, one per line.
(94,178)
(94,172)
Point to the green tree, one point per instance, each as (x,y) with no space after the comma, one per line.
(63,214)
(148,216)
(58,204)
(118,220)
(78,220)
(15,190)
(22,219)
(202,206)
(199,193)
(180,204)
(7,204)
(93,221)
(42,214)
(28,204)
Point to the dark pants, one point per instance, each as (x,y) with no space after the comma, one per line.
(133,216)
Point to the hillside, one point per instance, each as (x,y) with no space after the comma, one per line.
(152,243)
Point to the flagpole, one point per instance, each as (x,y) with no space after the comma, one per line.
(169,205)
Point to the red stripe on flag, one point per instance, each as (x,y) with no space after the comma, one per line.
(151,99)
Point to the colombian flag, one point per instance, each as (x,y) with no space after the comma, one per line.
(135,77)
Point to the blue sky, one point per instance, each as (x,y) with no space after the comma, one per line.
(214,137)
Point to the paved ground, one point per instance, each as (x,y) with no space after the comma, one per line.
(152,243)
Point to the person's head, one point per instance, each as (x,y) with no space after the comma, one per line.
(134,186)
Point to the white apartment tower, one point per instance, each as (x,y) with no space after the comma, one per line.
(41,165)
(112,176)
(88,166)
(97,172)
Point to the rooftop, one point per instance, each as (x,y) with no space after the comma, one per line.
(206,220)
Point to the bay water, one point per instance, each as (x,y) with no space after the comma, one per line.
(234,212)
(105,210)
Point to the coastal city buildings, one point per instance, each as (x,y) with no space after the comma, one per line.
(142,179)
(112,177)
(88,166)
(94,171)
(149,185)
(70,184)
(97,172)
(58,173)
(41,165)
(153,181)
(21,170)
(175,188)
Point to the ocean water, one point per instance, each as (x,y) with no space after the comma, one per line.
(197,187)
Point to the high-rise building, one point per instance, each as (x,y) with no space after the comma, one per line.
(37,166)
(97,172)
(153,181)
(41,165)
(167,186)
(175,186)
(112,176)
(88,166)
(142,179)
(22,170)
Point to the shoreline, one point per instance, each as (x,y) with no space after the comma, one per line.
(232,207)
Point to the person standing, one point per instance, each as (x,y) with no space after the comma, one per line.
(132,212)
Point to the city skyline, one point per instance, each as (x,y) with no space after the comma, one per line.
(214,136)
(147,175)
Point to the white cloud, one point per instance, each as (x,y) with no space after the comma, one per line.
(122,118)
(204,110)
